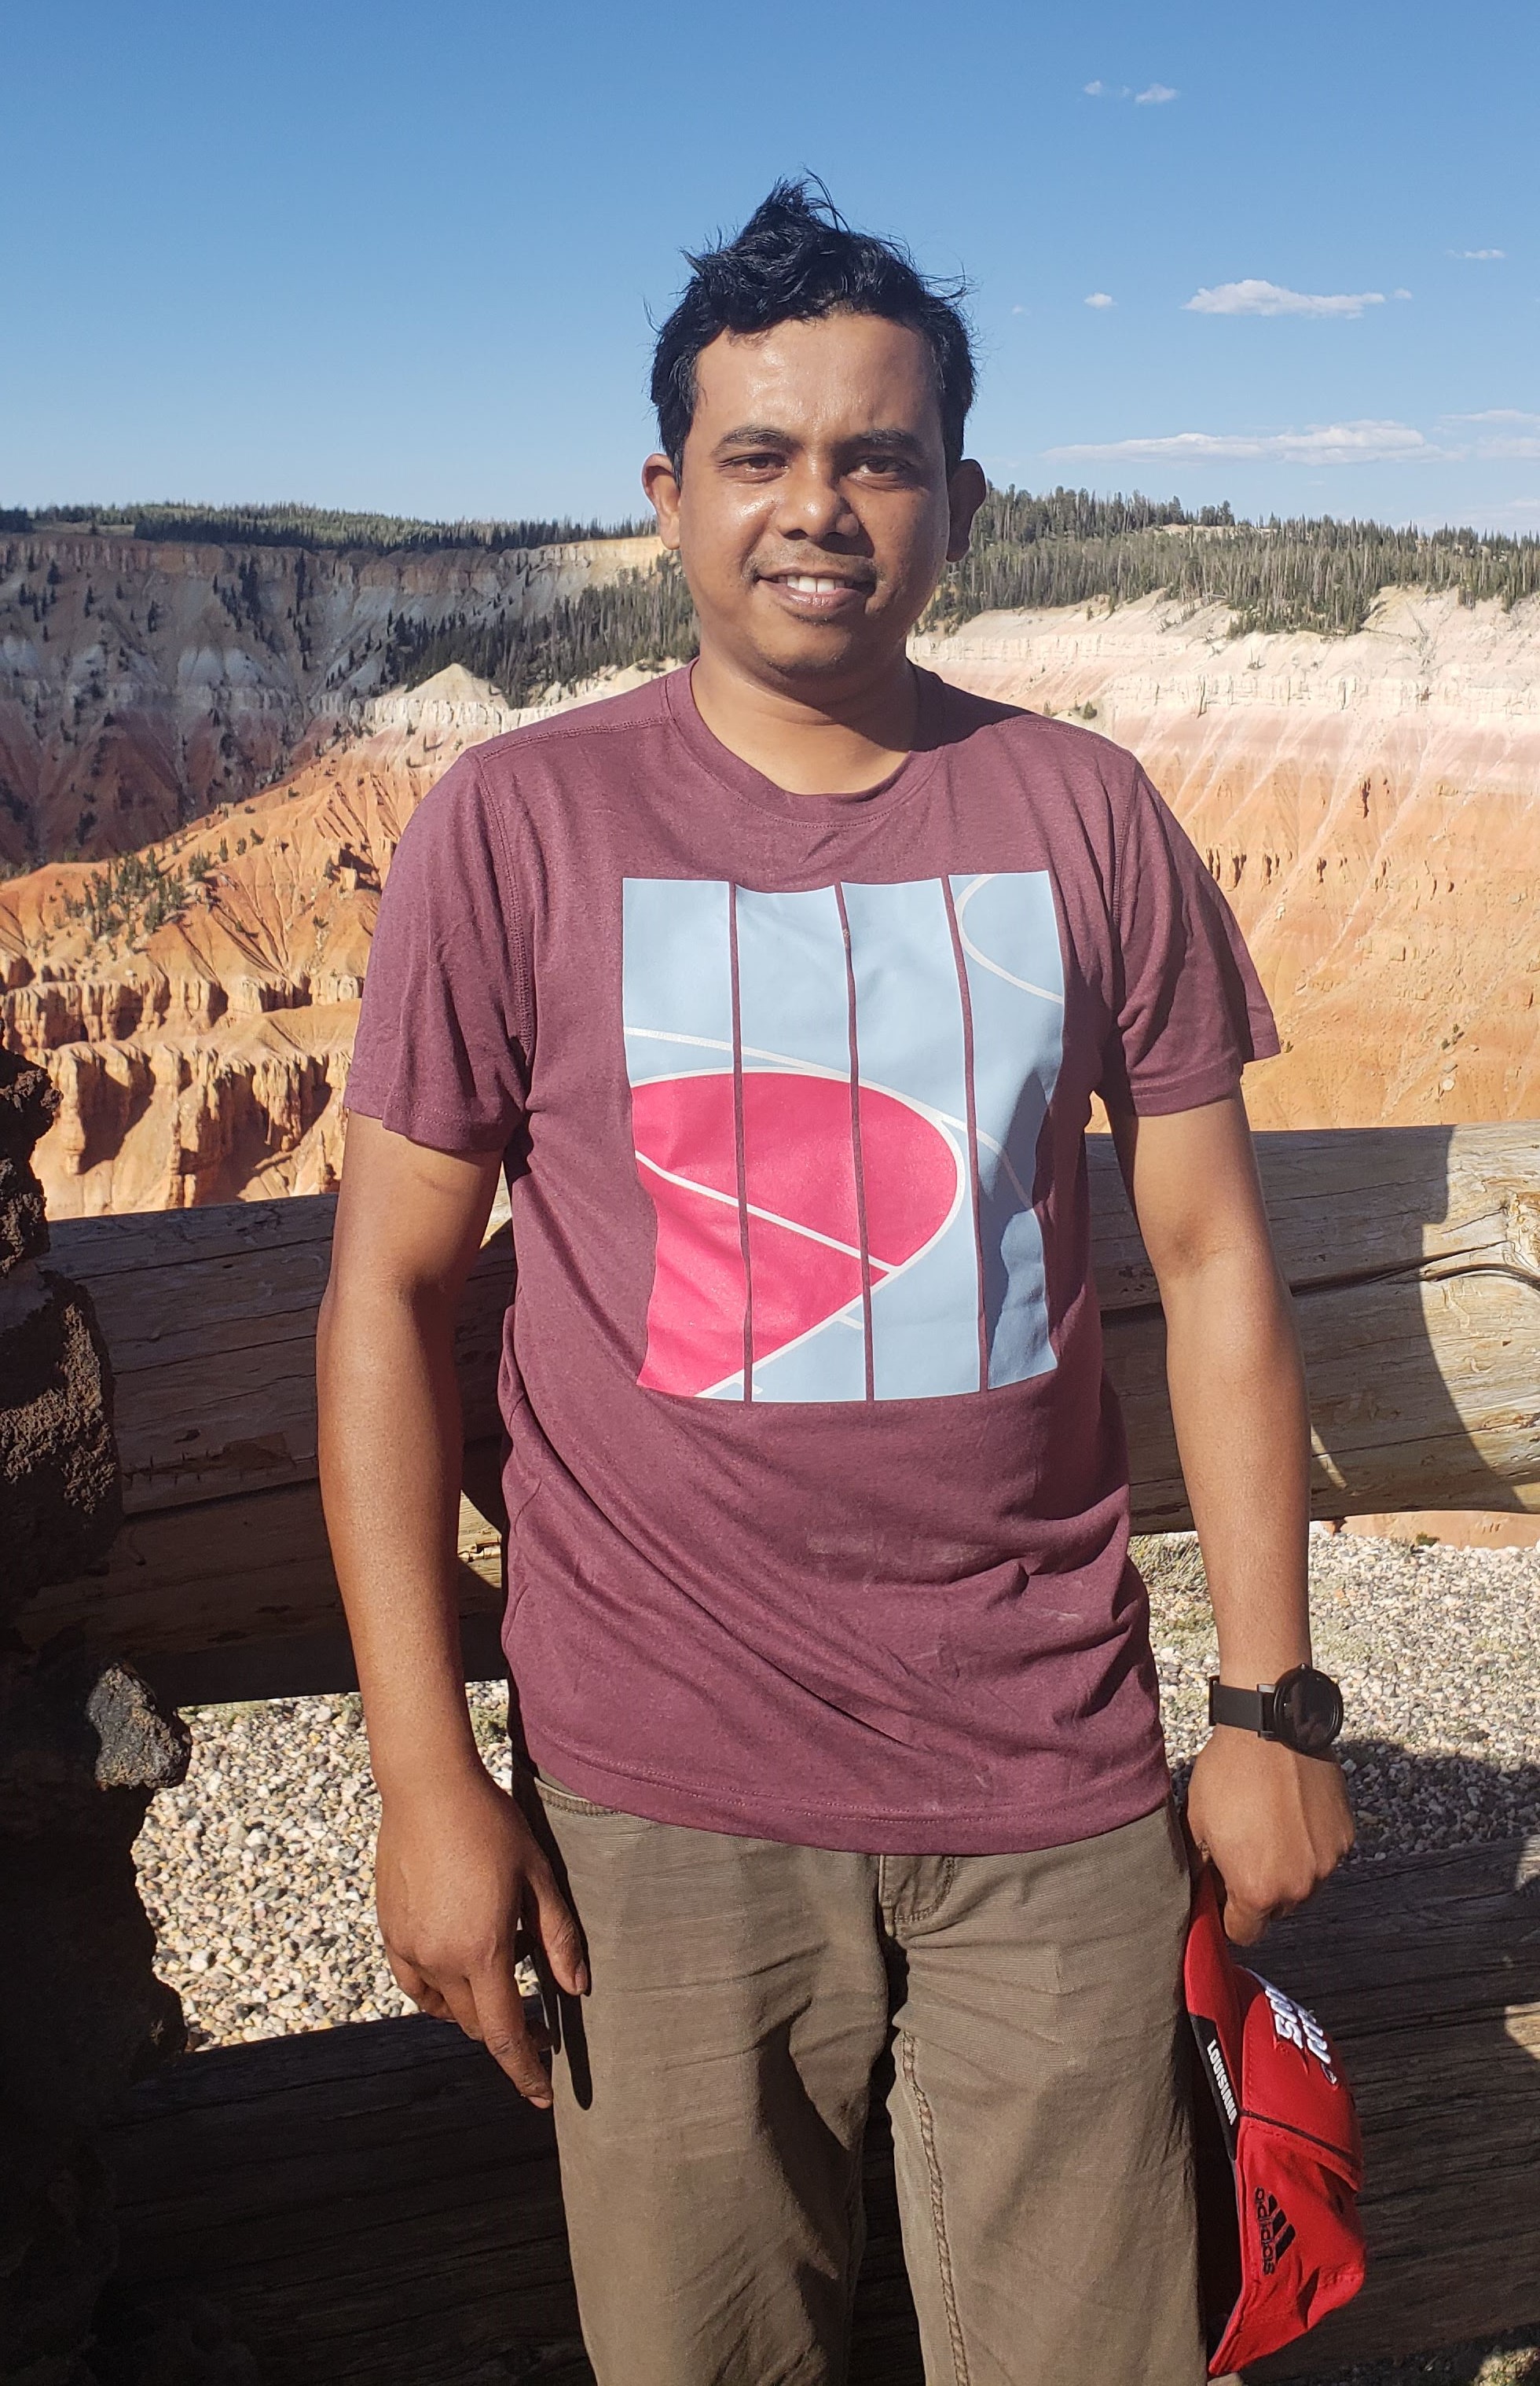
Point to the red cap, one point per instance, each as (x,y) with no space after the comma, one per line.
(1285,2162)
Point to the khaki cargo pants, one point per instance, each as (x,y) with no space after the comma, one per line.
(711,2093)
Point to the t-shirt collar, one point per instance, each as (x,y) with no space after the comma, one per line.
(741,779)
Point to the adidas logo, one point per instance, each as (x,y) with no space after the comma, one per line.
(1274,2229)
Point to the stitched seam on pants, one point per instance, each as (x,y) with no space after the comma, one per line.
(946,1872)
(938,2215)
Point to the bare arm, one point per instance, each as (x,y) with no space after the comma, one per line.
(458,1873)
(1275,1823)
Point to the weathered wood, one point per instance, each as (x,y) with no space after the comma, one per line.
(223,1572)
(210,1320)
(375,2203)
(1414,1254)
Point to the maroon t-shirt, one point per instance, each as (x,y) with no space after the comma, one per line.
(817,1498)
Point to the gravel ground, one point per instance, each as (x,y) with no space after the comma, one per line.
(1438,1654)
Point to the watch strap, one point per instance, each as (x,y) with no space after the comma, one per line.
(1244,1709)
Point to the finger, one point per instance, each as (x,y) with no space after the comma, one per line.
(417,1985)
(506,2034)
(1244,1924)
(556,1928)
(408,1979)
(460,2001)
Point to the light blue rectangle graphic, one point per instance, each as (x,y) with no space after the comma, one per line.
(795,1201)
(909,1034)
(676,977)
(1010,934)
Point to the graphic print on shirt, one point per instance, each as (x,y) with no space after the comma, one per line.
(836,1099)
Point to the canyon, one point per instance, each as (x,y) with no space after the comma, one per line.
(143,680)
(1369,804)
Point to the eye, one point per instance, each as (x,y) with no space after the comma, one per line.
(763,459)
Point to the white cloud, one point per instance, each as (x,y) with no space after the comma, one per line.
(1331,443)
(1478,255)
(1271,298)
(1155,95)
(1518,442)
(1100,298)
(1400,294)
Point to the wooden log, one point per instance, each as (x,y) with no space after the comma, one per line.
(375,2202)
(1413,1253)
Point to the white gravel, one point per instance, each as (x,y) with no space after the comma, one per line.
(1437,1650)
(256,1872)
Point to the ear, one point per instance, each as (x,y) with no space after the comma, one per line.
(966,492)
(661,483)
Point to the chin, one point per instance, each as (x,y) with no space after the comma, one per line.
(819,656)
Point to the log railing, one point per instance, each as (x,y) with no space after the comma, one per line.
(1413,1255)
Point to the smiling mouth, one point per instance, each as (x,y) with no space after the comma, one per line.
(817,583)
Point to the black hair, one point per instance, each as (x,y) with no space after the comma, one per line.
(795,259)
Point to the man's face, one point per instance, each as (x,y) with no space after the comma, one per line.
(813,514)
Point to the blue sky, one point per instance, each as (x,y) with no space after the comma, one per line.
(401,256)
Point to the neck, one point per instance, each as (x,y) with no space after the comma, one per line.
(833,743)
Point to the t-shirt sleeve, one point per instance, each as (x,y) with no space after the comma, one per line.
(1190,1008)
(446,1026)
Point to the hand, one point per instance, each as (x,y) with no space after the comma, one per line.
(458,1874)
(1273,1824)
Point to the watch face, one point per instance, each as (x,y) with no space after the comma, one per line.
(1308,1709)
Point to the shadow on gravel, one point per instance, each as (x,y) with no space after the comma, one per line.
(1422,1802)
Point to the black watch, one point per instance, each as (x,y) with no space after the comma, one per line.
(1303,1709)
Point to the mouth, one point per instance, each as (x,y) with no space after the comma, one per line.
(817,594)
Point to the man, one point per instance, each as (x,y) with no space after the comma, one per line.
(780,989)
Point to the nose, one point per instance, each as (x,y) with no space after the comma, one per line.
(812,504)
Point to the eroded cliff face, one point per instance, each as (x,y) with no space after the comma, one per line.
(205,1059)
(144,682)
(1370,805)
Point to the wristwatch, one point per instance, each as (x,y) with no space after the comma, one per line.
(1302,1709)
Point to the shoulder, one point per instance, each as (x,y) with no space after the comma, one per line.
(490,792)
(580,731)
(1042,748)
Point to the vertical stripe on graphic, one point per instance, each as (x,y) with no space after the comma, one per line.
(914,1121)
(1008,931)
(865,1239)
(676,998)
(960,965)
(805,1227)
(738,1144)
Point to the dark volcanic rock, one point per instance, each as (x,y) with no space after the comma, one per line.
(60,1494)
(83,1749)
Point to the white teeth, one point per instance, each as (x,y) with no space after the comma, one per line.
(809,587)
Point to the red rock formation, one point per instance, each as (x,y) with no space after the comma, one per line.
(1371,805)
(1371,808)
(205,1059)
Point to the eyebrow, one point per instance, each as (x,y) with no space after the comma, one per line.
(765,434)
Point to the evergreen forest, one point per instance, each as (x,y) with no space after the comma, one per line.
(317,529)
(1064,547)
(639,617)
(1069,548)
